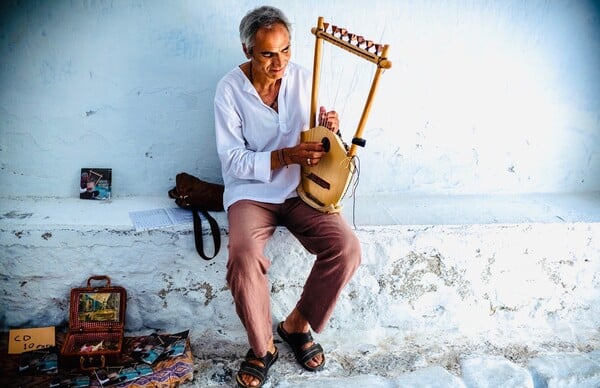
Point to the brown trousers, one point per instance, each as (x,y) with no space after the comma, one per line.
(328,236)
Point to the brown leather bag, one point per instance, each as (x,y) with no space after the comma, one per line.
(192,192)
(200,197)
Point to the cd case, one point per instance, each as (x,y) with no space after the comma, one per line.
(95,183)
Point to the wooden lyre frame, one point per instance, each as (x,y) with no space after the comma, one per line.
(323,186)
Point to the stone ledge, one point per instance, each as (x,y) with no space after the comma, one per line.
(390,209)
(78,213)
(366,211)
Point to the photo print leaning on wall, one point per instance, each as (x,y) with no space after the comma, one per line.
(95,183)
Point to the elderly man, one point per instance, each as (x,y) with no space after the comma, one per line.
(261,107)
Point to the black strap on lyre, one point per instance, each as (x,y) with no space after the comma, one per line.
(214,230)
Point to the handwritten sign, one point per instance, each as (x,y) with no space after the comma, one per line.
(24,340)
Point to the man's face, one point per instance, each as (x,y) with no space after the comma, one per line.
(272,51)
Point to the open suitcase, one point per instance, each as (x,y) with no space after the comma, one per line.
(96,325)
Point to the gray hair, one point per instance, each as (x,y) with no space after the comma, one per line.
(264,16)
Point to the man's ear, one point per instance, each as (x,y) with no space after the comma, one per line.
(246,52)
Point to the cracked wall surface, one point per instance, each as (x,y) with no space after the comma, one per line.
(509,284)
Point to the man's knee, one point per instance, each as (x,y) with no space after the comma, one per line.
(246,262)
(349,250)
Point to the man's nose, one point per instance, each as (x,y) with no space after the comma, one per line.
(278,60)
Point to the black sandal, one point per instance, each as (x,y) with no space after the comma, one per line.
(297,342)
(258,371)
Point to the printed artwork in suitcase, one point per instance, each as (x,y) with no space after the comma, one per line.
(96,324)
(99,306)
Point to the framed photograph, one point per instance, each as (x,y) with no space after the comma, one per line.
(95,183)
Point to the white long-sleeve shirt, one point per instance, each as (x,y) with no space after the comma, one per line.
(247,131)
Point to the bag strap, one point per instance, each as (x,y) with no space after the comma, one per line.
(214,229)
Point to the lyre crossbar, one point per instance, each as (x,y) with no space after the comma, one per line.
(355,44)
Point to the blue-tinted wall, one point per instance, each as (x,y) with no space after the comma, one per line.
(483,97)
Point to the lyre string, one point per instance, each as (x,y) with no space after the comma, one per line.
(340,76)
(355,178)
(329,107)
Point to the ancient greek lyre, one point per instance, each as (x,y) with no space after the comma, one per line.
(323,186)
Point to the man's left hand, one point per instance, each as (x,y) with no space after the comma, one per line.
(329,119)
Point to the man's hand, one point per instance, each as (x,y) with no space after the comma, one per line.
(304,154)
(329,119)
(310,153)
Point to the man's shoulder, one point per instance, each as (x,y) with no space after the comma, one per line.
(230,82)
(231,76)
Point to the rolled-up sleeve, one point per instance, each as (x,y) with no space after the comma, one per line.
(237,159)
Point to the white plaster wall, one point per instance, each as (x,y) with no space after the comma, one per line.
(483,97)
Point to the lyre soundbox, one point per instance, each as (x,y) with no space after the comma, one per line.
(324,185)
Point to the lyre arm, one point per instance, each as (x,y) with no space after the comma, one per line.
(316,74)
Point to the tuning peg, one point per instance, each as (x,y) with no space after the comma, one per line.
(360,42)
(378,48)
(343,33)
(352,39)
(325,26)
(335,31)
